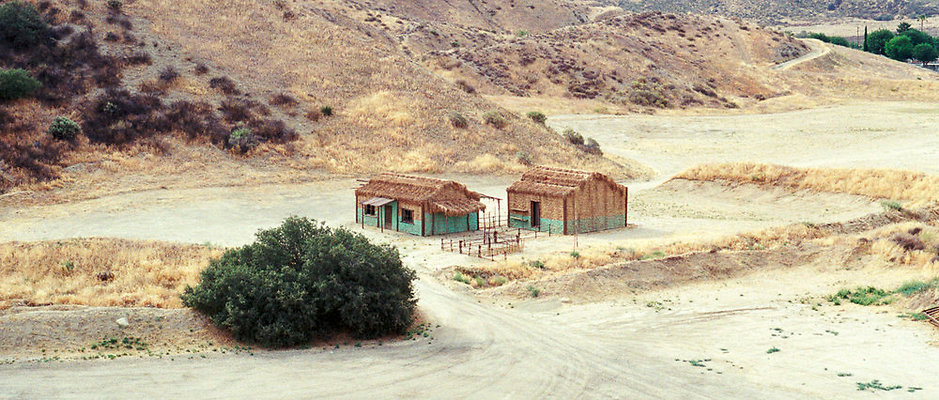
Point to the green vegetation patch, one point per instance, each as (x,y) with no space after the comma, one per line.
(876,385)
(303,281)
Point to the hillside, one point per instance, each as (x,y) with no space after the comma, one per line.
(318,90)
(237,92)
(649,59)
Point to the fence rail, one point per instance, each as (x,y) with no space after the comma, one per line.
(490,243)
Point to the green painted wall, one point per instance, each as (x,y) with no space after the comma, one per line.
(596,224)
(444,224)
(414,229)
(441,224)
(547,225)
(373,220)
(583,225)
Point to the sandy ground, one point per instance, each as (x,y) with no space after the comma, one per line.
(872,135)
(537,348)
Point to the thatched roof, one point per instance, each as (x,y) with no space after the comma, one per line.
(557,182)
(436,195)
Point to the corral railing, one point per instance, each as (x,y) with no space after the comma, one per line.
(489,243)
(490,221)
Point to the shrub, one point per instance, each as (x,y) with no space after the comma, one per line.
(16,84)
(891,205)
(115,5)
(591,146)
(314,115)
(242,139)
(284,99)
(63,128)
(537,116)
(908,242)
(273,131)
(139,58)
(466,86)
(864,296)
(648,98)
(169,74)
(495,119)
(303,281)
(910,288)
(524,158)
(224,85)
(201,69)
(572,136)
(20,25)
(533,291)
(119,117)
(327,111)
(236,110)
(457,120)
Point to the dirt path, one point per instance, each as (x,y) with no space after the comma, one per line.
(819,49)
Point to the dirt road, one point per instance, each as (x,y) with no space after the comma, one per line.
(819,49)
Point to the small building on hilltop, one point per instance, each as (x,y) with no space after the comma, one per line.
(564,201)
(417,205)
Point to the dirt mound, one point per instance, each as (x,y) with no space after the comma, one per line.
(645,275)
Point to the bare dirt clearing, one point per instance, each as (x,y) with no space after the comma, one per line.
(868,135)
(618,347)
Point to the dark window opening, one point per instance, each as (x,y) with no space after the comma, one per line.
(535,214)
(407,216)
(369,210)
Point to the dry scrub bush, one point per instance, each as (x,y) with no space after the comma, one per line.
(908,243)
(144,273)
(879,183)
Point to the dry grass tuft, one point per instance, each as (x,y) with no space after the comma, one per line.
(912,186)
(100,272)
(891,235)
(897,244)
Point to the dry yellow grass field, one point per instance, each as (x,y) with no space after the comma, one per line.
(915,187)
(99,272)
(878,231)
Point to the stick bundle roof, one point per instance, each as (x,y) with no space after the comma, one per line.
(558,182)
(436,195)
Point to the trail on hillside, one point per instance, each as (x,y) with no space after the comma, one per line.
(819,49)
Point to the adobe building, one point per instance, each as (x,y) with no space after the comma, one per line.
(563,201)
(417,205)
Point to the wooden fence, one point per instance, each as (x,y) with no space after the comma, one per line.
(489,243)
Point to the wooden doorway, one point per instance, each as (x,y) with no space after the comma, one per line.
(535,214)
(389,211)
